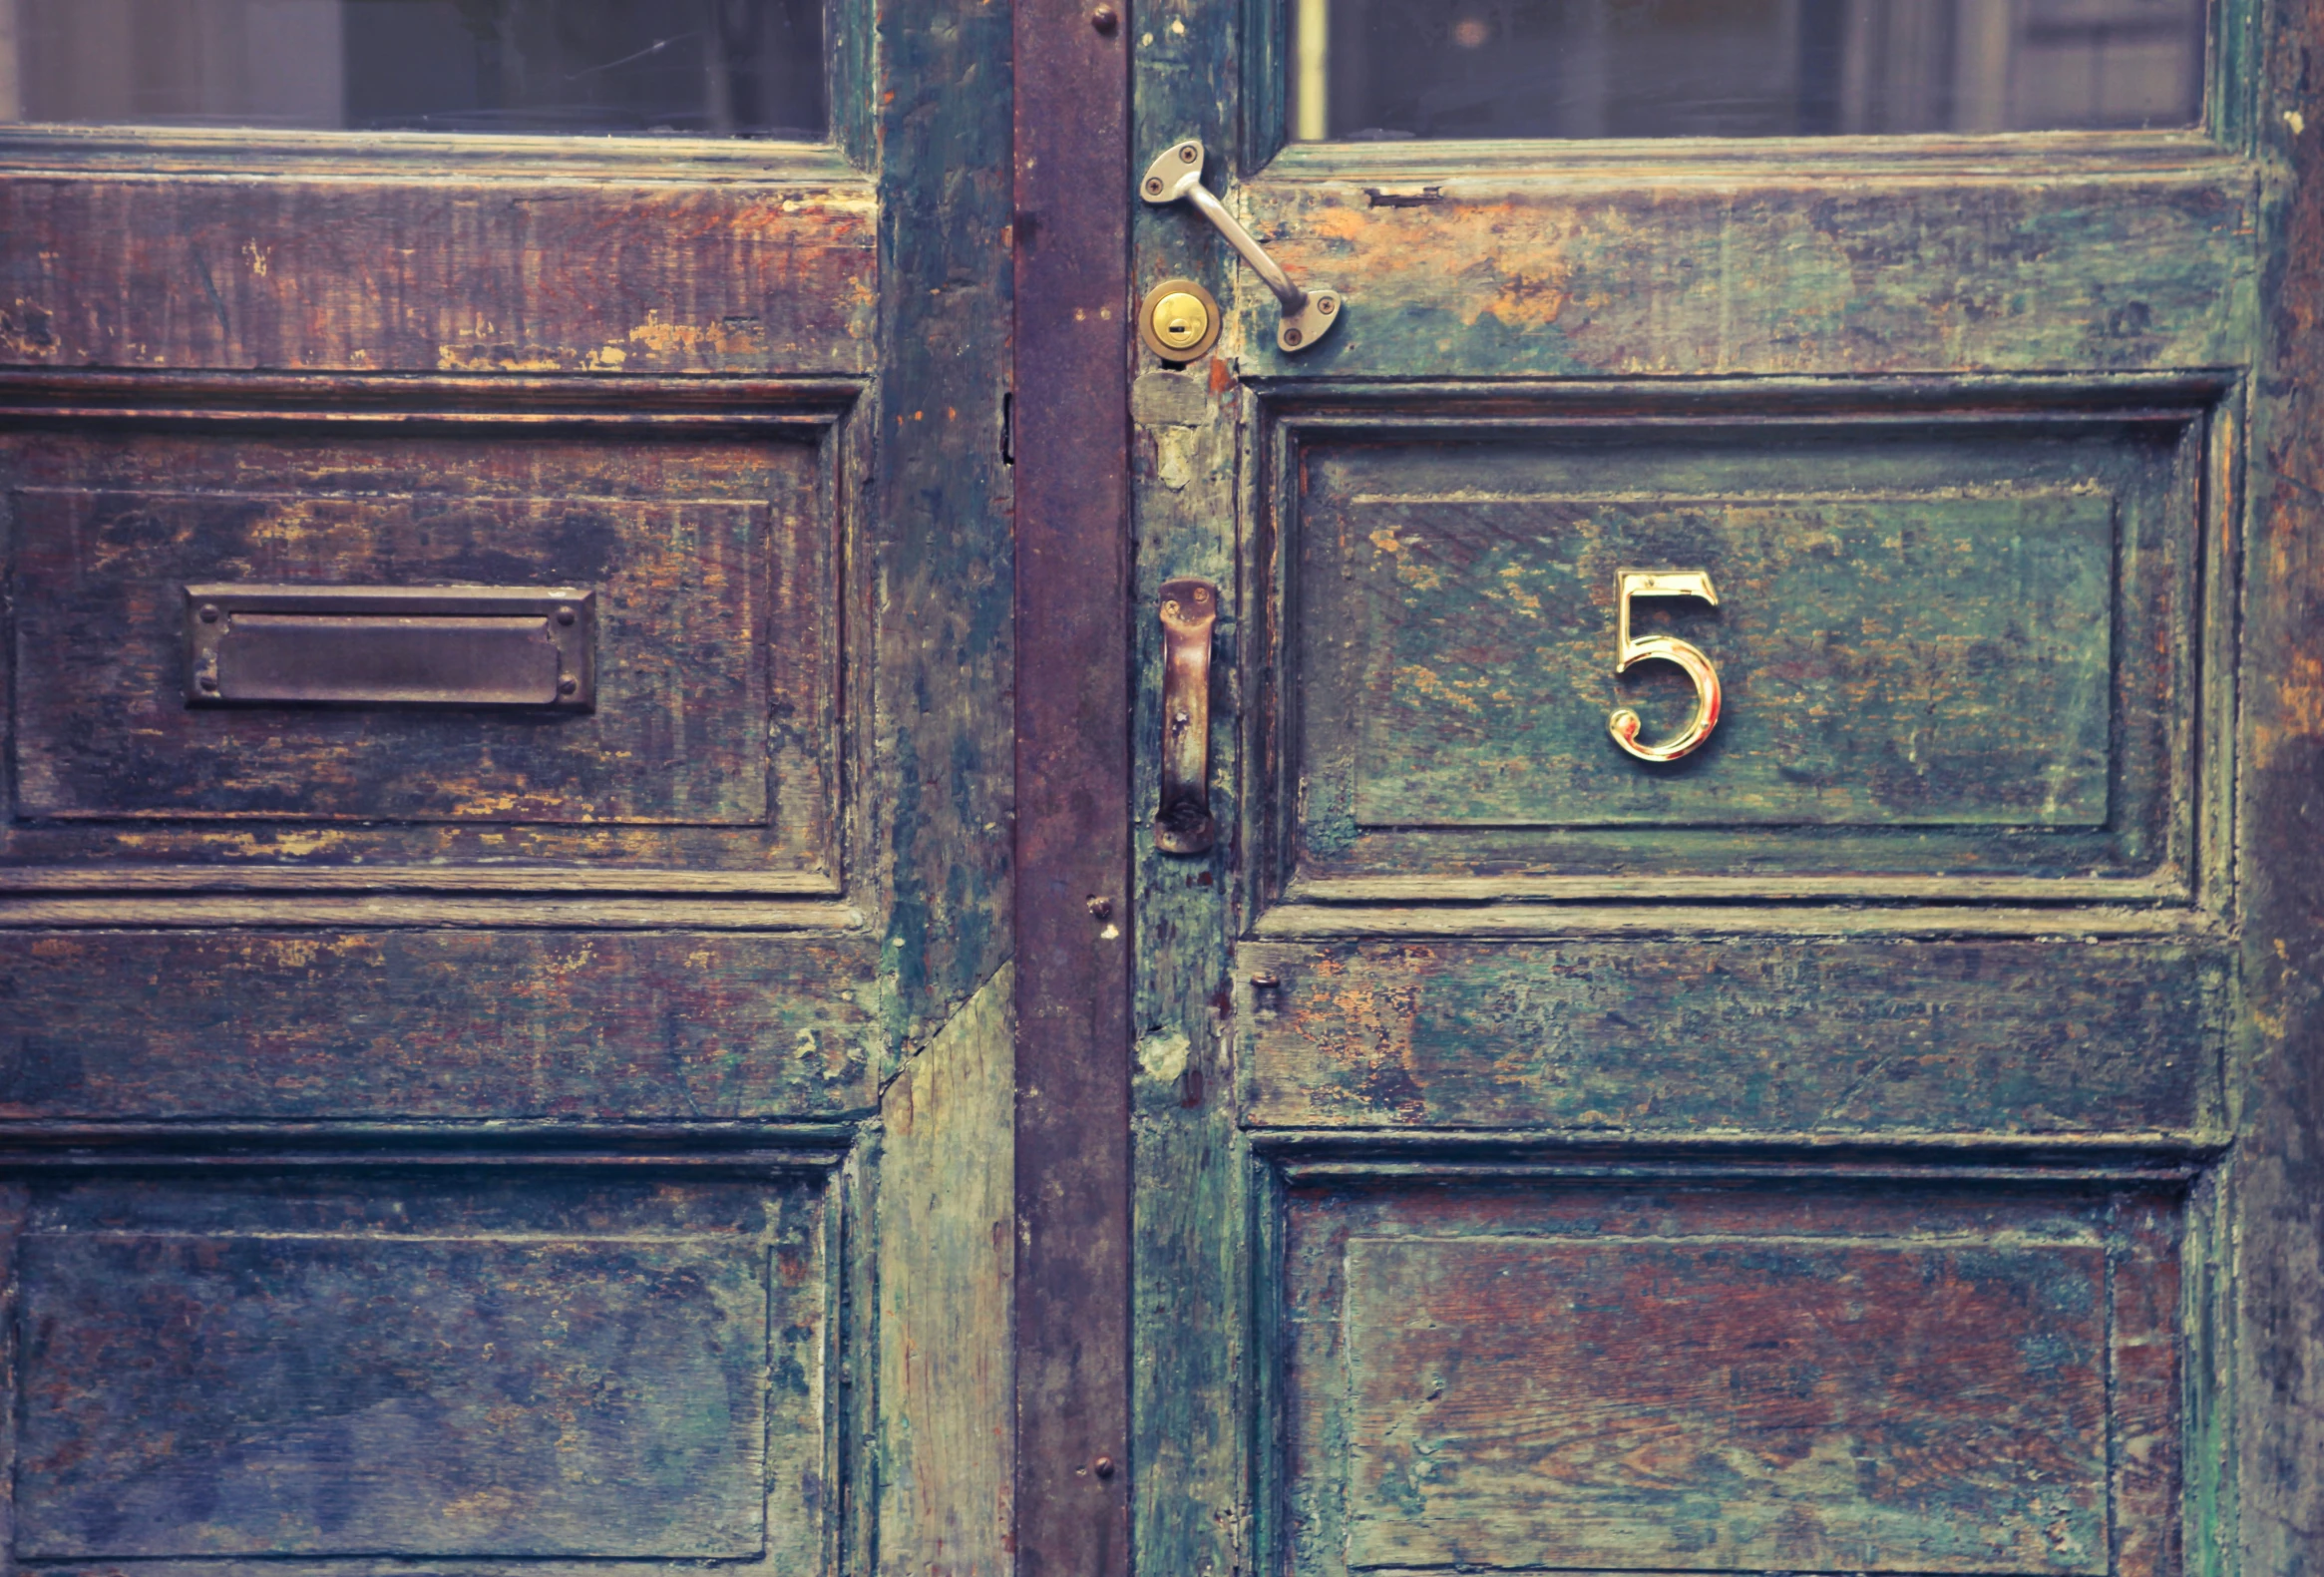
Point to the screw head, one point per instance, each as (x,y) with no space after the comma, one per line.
(1291,336)
(1105,19)
(565,616)
(1100,907)
(1154,185)
(1188,153)
(208,682)
(1326,307)
(210,613)
(1104,1466)
(568,686)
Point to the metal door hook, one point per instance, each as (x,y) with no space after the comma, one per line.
(1308,315)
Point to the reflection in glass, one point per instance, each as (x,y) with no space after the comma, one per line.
(1387,69)
(704,68)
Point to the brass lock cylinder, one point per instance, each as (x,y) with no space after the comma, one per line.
(1179,320)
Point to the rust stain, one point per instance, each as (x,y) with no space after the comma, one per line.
(1506,260)
(2299,719)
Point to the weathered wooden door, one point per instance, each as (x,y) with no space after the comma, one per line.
(1881,1134)
(504,1010)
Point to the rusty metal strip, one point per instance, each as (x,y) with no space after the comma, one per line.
(1073,819)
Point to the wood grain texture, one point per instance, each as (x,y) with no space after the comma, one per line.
(1797,1373)
(936,1465)
(1727,1406)
(944,1218)
(2262,1490)
(1747,1036)
(1863,685)
(1071,160)
(458,1025)
(429,301)
(441,1369)
(466,1460)
(1199,1340)
(432,275)
(937,497)
(104,730)
(1753,269)
(718,737)
(1971,644)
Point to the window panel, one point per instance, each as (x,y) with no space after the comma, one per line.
(714,68)
(1374,70)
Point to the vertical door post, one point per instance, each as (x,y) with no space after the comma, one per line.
(1070,442)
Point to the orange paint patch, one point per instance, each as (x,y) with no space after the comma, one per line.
(1505,261)
(2299,709)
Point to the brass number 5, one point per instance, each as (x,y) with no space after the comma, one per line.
(1623,724)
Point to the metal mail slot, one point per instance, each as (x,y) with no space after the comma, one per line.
(357,645)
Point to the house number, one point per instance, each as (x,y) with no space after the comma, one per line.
(1623,724)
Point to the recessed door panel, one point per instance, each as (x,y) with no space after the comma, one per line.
(706,568)
(1965,649)
(1875,683)
(340,1370)
(1546,1376)
(108,733)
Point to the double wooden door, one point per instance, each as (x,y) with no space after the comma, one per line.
(616,953)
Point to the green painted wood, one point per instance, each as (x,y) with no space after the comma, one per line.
(937,489)
(1967,699)
(1968,646)
(1194,1347)
(1748,1374)
(1884,662)
(1462,410)
(402,1368)
(1727,1406)
(2257,1497)
(1750,268)
(757,394)
(458,1024)
(946,1251)
(448,274)
(1757,1036)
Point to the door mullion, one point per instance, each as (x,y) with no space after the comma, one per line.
(1072,429)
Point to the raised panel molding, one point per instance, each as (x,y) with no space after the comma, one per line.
(713,523)
(1799,1369)
(510,1362)
(1975,638)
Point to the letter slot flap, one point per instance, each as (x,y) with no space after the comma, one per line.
(360,645)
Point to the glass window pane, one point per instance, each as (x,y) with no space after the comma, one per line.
(1387,69)
(702,68)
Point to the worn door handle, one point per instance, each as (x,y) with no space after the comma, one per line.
(1190,608)
(1308,315)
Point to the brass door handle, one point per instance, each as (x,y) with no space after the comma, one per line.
(1190,608)
(1308,315)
